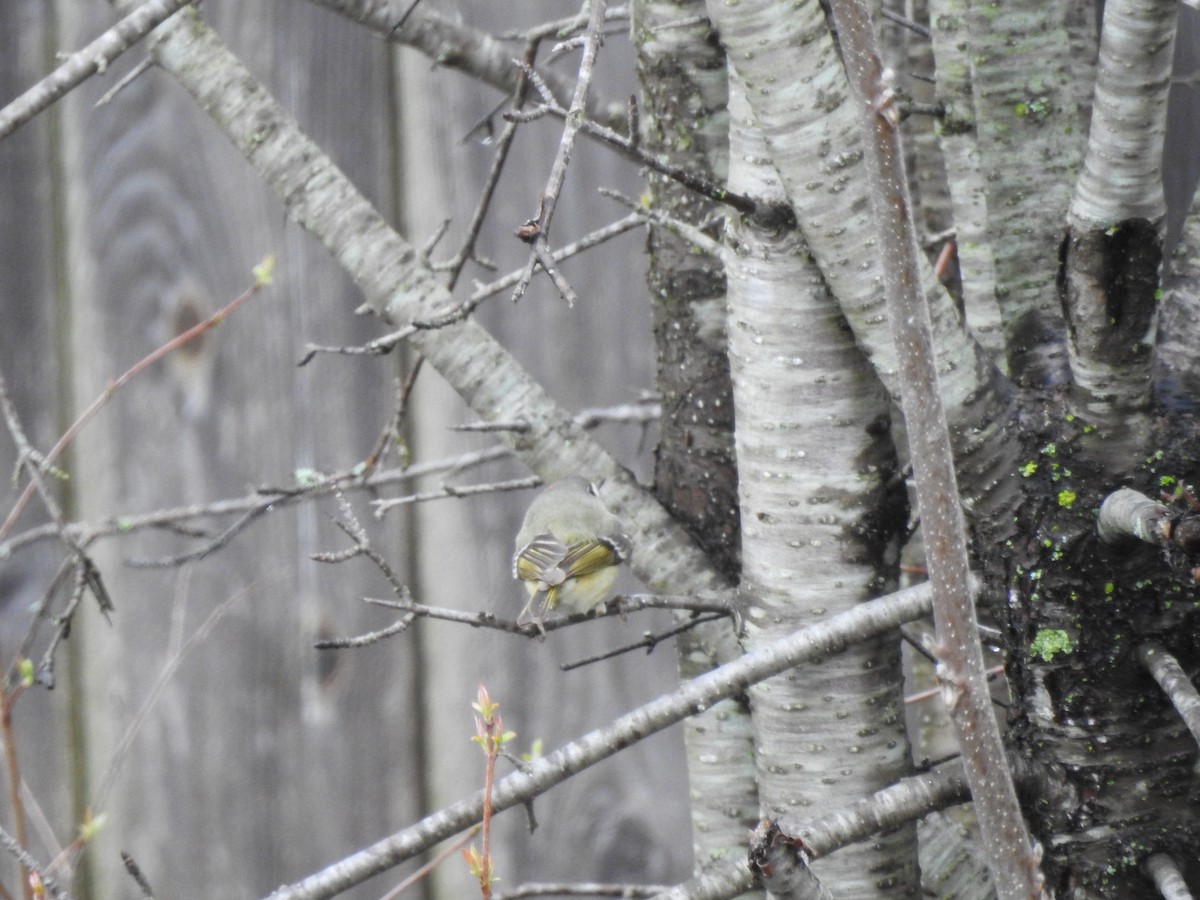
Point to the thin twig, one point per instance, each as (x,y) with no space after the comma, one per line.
(545,258)
(45,670)
(127,79)
(31,864)
(388,342)
(820,640)
(26,457)
(492,427)
(444,854)
(391,432)
(904,22)
(560,28)
(7,700)
(262,279)
(91,60)
(648,642)
(690,233)
(207,549)
(319,486)
(622,891)
(451,491)
(932,692)
(499,157)
(365,640)
(628,146)
(170,666)
(575,116)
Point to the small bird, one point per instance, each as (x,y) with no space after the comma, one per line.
(568,550)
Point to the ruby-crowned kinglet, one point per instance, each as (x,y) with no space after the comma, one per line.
(568,549)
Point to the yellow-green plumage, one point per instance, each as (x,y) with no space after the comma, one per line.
(568,549)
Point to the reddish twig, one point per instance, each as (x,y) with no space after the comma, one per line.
(491,736)
(262,277)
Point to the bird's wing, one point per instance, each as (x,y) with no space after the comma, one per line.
(542,560)
(585,557)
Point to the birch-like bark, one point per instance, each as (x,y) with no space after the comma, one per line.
(1011,854)
(1175,682)
(83,64)
(968,190)
(794,79)
(1114,248)
(400,288)
(1176,378)
(1027,136)
(454,45)
(822,517)
(681,73)
(818,641)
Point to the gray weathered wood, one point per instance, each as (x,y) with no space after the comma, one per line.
(226,753)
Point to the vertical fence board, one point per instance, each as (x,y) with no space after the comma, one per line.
(227,755)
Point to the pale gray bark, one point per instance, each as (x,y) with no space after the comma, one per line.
(1012,858)
(809,127)
(682,79)
(1167,878)
(817,641)
(820,535)
(401,288)
(1027,136)
(1116,218)
(1175,683)
(968,189)
(457,46)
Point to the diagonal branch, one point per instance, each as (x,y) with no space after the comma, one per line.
(540,227)
(1175,683)
(1011,855)
(458,46)
(817,641)
(400,287)
(91,60)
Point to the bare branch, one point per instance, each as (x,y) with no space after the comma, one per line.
(32,865)
(689,233)
(388,342)
(262,279)
(457,46)
(1011,854)
(1126,513)
(400,288)
(558,169)
(451,491)
(629,147)
(820,640)
(91,60)
(908,799)
(781,862)
(581,889)
(499,157)
(1175,683)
